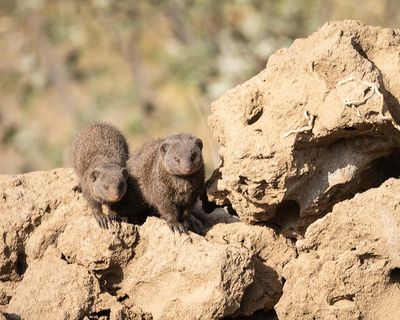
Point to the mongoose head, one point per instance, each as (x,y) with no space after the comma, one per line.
(181,154)
(109,182)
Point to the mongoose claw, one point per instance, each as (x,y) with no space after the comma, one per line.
(186,226)
(178,228)
(182,228)
(102,221)
(113,217)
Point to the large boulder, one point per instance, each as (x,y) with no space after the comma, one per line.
(181,277)
(272,252)
(25,202)
(54,289)
(57,263)
(97,249)
(349,262)
(316,126)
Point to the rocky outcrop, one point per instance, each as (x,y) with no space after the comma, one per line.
(298,142)
(186,277)
(349,262)
(272,252)
(54,251)
(53,289)
(315,127)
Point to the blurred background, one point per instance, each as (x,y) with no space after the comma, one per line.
(152,67)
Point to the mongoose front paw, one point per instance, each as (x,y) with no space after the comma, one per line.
(112,216)
(177,227)
(103,221)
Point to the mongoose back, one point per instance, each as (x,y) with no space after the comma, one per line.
(99,156)
(170,176)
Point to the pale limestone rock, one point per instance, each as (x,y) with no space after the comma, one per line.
(90,273)
(349,262)
(53,289)
(186,277)
(95,248)
(272,252)
(268,165)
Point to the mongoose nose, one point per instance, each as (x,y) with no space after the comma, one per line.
(115,197)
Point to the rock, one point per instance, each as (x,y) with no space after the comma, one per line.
(272,252)
(41,213)
(349,262)
(273,249)
(26,201)
(117,310)
(7,290)
(55,252)
(315,127)
(84,243)
(177,277)
(53,289)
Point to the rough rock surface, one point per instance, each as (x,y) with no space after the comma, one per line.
(272,253)
(53,289)
(302,259)
(53,250)
(340,87)
(349,262)
(177,277)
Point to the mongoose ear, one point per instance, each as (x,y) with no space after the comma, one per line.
(124,172)
(199,143)
(94,174)
(163,148)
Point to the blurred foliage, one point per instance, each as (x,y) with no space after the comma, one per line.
(150,67)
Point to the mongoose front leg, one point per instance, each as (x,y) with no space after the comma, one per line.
(170,213)
(98,214)
(184,217)
(112,215)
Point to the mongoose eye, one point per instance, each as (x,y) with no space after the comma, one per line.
(193,157)
(177,159)
(105,187)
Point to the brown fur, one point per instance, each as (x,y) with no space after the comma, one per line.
(99,155)
(170,175)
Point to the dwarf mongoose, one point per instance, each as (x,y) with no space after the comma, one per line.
(170,177)
(99,155)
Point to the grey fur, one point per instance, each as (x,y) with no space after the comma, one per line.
(99,156)
(170,176)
